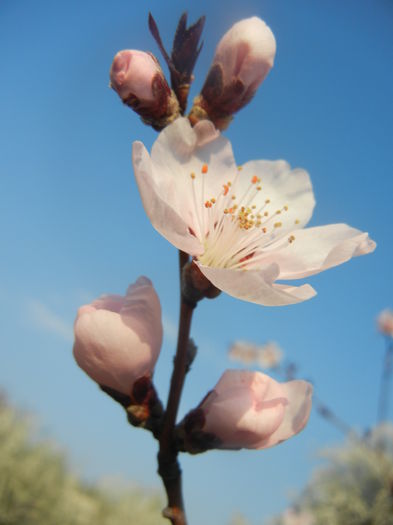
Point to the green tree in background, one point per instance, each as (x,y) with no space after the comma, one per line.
(37,488)
(355,488)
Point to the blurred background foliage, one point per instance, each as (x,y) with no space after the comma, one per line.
(37,486)
(354,487)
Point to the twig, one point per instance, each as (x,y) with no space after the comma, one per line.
(168,465)
(385,382)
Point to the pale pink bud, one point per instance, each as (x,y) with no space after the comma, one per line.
(246,52)
(243,58)
(385,322)
(132,73)
(118,339)
(251,410)
(140,82)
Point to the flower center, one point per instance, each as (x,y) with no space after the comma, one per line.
(234,228)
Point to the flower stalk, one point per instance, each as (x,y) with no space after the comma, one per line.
(385,381)
(168,465)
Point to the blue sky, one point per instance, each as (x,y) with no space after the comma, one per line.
(73,227)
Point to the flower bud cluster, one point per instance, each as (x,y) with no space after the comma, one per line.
(243,58)
(117,343)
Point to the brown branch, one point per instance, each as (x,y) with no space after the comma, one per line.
(168,465)
(383,401)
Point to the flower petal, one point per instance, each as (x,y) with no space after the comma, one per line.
(142,313)
(257,286)
(316,249)
(190,166)
(297,411)
(162,216)
(289,192)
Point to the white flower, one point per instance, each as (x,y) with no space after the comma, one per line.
(385,322)
(243,226)
(268,355)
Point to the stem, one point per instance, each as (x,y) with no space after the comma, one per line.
(183,260)
(385,380)
(168,465)
(330,416)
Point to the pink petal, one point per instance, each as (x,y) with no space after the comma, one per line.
(317,249)
(181,150)
(205,132)
(162,216)
(108,352)
(113,303)
(297,411)
(256,286)
(141,311)
(117,347)
(283,187)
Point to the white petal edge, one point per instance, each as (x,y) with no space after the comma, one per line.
(317,249)
(163,218)
(256,286)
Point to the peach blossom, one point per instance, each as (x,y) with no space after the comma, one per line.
(252,410)
(268,355)
(118,339)
(243,226)
(385,322)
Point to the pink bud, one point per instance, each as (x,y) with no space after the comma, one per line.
(140,82)
(385,322)
(244,56)
(132,73)
(246,52)
(118,339)
(252,410)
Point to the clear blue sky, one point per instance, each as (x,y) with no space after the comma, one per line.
(72,225)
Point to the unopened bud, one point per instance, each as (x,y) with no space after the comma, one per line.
(243,58)
(118,339)
(247,410)
(139,81)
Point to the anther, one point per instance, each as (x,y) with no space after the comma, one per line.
(192,175)
(204,168)
(277,224)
